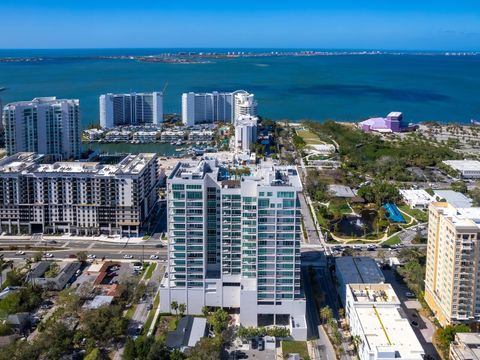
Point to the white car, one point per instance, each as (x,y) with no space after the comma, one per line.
(127,256)
(91,256)
(49,255)
(20,252)
(153,257)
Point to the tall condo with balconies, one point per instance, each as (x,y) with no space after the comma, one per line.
(234,242)
(131,109)
(45,125)
(198,108)
(452,273)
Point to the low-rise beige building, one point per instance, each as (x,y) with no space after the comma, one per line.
(465,347)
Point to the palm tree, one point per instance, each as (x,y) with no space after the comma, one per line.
(326,314)
(174,306)
(356,341)
(182,308)
(205,311)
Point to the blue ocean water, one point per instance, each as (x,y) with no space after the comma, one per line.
(346,88)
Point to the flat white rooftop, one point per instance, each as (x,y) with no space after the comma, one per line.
(416,195)
(386,330)
(383,323)
(29,163)
(463,165)
(453,197)
(460,217)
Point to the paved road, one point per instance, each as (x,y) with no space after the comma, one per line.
(109,253)
(322,345)
(312,235)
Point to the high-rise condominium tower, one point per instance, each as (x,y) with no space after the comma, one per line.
(131,109)
(452,275)
(200,108)
(234,242)
(46,125)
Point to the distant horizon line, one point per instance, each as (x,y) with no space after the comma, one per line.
(242,48)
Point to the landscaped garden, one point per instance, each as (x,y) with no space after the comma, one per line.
(295,347)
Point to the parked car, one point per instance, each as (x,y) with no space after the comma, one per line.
(241,355)
(128,256)
(78,272)
(149,307)
(410,295)
(138,266)
(254,344)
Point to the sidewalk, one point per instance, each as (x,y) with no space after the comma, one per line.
(102,238)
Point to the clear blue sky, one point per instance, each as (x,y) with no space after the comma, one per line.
(379,24)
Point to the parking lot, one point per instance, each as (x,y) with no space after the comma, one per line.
(254,354)
(250,350)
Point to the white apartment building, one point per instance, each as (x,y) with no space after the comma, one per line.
(200,135)
(145,136)
(234,242)
(245,104)
(170,136)
(198,108)
(118,136)
(45,125)
(93,134)
(374,314)
(82,198)
(131,109)
(452,271)
(245,132)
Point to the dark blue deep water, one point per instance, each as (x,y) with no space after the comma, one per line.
(347,88)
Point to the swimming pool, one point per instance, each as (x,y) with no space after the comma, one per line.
(393,214)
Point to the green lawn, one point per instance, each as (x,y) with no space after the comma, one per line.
(292,347)
(130,312)
(340,206)
(392,241)
(309,137)
(418,214)
(150,270)
(151,314)
(165,324)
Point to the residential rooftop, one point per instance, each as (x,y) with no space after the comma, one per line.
(265,174)
(32,163)
(41,100)
(460,217)
(455,198)
(466,346)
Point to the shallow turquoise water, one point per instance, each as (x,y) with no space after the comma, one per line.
(347,88)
